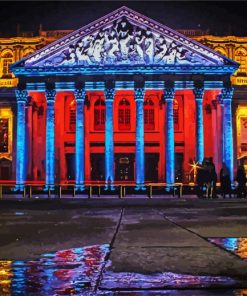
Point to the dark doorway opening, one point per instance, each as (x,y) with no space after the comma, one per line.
(179,161)
(5,169)
(97,166)
(70,162)
(124,167)
(151,167)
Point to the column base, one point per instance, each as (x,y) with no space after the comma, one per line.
(109,187)
(79,187)
(49,187)
(140,187)
(18,187)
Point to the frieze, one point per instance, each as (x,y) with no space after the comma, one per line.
(124,37)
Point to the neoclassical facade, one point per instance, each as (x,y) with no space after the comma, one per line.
(123,99)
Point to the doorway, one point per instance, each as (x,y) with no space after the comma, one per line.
(124,167)
(151,167)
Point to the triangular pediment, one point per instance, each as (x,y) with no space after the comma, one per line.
(124,37)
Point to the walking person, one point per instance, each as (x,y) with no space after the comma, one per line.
(200,178)
(241,179)
(225,181)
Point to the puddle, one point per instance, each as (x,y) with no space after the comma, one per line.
(165,280)
(237,245)
(77,272)
(68,272)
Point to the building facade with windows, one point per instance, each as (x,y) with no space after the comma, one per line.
(123,99)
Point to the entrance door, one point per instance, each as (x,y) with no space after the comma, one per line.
(70,161)
(151,167)
(179,160)
(124,167)
(97,166)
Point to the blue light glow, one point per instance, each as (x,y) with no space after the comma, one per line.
(79,143)
(227,129)
(21,96)
(170,165)
(109,144)
(140,168)
(50,138)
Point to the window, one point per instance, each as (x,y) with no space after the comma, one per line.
(7,60)
(72,116)
(176,115)
(99,115)
(149,115)
(240,57)
(124,115)
(4,130)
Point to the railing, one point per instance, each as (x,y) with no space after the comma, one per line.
(90,189)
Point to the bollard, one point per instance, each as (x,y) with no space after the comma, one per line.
(1,192)
(49,192)
(60,191)
(30,191)
(98,190)
(124,191)
(120,191)
(90,192)
(74,191)
(150,191)
(24,191)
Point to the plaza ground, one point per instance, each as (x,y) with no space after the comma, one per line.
(145,236)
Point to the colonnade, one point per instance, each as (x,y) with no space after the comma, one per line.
(109,92)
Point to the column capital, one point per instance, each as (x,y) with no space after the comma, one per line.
(109,94)
(80,94)
(139,94)
(169,93)
(50,94)
(198,93)
(21,95)
(227,93)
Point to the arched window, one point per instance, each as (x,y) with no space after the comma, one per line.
(149,115)
(99,115)
(240,57)
(176,114)
(8,59)
(72,116)
(124,115)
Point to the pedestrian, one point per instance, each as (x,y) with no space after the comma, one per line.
(225,181)
(212,178)
(200,178)
(241,179)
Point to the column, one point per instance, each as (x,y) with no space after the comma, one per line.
(80,95)
(21,96)
(140,154)
(198,92)
(50,138)
(170,150)
(109,142)
(227,94)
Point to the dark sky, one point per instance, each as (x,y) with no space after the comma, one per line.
(223,17)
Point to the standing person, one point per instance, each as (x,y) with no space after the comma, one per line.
(225,181)
(200,178)
(241,179)
(213,178)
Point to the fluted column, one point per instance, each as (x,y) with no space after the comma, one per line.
(227,94)
(140,154)
(109,142)
(170,151)
(21,96)
(198,92)
(50,138)
(80,95)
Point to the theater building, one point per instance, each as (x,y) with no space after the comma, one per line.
(123,99)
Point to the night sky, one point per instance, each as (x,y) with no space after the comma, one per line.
(221,18)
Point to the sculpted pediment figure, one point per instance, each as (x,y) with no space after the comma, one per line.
(124,37)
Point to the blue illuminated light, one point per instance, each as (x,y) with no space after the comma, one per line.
(109,144)
(140,168)
(50,139)
(79,143)
(21,96)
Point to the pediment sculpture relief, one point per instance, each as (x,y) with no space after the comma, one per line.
(123,42)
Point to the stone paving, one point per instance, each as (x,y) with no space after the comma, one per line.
(152,242)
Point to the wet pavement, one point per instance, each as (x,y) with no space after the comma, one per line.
(176,248)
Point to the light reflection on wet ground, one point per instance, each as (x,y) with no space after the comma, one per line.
(68,272)
(237,245)
(77,272)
